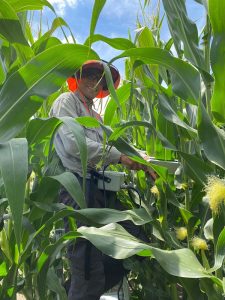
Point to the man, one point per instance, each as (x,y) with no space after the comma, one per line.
(92,273)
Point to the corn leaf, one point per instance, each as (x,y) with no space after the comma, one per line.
(216,9)
(220,252)
(72,185)
(183,30)
(212,138)
(187,81)
(114,241)
(122,94)
(11,30)
(98,6)
(25,89)
(24,5)
(14,169)
(116,43)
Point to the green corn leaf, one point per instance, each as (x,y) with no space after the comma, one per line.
(42,43)
(169,114)
(12,31)
(24,5)
(216,9)
(123,95)
(104,216)
(116,43)
(25,89)
(110,84)
(10,27)
(98,6)
(40,129)
(183,30)
(88,122)
(114,241)
(119,130)
(212,138)
(220,252)
(54,284)
(72,185)
(196,168)
(47,43)
(187,81)
(46,259)
(3,269)
(14,169)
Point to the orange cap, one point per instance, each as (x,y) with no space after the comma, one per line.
(95,64)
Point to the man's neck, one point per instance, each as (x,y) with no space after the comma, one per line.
(83,98)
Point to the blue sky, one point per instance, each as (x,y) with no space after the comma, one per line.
(117,19)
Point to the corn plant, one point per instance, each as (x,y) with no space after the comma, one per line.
(169,105)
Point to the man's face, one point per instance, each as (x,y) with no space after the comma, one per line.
(90,85)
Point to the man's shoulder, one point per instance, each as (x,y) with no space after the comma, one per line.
(66,98)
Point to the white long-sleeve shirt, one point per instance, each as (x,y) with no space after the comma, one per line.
(70,104)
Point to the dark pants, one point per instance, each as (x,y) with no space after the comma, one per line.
(92,272)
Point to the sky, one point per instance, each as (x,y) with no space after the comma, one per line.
(117,19)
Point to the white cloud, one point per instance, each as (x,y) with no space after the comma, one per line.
(124,8)
(60,5)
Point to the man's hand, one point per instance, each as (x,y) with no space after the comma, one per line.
(133,165)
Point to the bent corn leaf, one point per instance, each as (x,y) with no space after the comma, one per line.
(187,84)
(115,241)
(26,88)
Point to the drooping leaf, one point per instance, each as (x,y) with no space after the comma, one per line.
(41,76)
(43,42)
(114,241)
(120,129)
(47,43)
(10,27)
(12,31)
(39,129)
(14,169)
(25,5)
(106,215)
(187,84)
(116,43)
